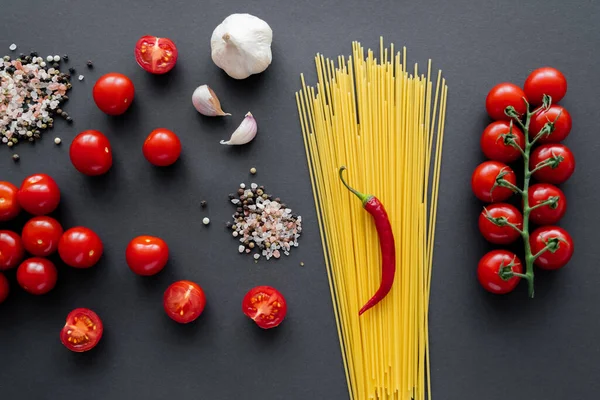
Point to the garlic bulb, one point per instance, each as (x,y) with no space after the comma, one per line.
(244,133)
(241,45)
(206,102)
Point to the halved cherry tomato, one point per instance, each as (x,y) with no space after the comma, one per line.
(562,124)
(501,96)
(484,179)
(11,250)
(162,147)
(500,234)
(113,93)
(560,171)
(39,194)
(489,268)
(147,255)
(156,55)
(184,301)
(80,247)
(37,275)
(41,235)
(497,147)
(90,153)
(265,306)
(549,214)
(9,204)
(546,80)
(4,288)
(82,331)
(557,258)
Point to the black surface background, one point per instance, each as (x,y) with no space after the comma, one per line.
(483,347)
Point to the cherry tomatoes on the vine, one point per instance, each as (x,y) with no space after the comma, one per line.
(82,331)
(147,255)
(489,268)
(37,275)
(41,235)
(11,250)
(496,142)
(80,247)
(502,213)
(265,306)
(501,96)
(39,194)
(184,301)
(113,93)
(90,153)
(546,80)
(548,214)
(4,288)
(162,147)
(156,55)
(562,124)
(9,204)
(561,169)
(484,178)
(562,250)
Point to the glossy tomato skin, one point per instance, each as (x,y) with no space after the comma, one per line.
(82,331)
(37,275)
(90,153)
(501,96)
(546,80)
(162,147)
(113,93)
(484,178)
(494,145)
(184,301)
(9,204)
(41,235)
(80,247)
(549,260)
(563,170)
(500,234)
(562,125)
(489,266)
(39,194)
(156,55)
(546,215)
(265,305)
(147,255)
(4,288)
(11,250)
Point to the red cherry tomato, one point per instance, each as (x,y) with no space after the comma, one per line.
(184,301)
(549,214)
(80,247)
(265,306)
(37,275)
(39,194)
(147,255)
(9,204)
(4,288)
(82,331)
(91,153)
(156,55)
(113,93)
(551,259)
(500,234)
(162,147)
(41,235)
(501,96)
(498,148)
(484,178)
(546,80)
(557,173)
(562,124)
(489,267)
(11,250)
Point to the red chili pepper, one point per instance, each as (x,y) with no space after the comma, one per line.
(386,241)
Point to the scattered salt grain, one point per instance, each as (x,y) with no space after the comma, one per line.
(243,185)
(12,47)
(205,220)
(80,77)
(241,248)
(256,256)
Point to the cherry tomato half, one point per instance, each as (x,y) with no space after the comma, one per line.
(41,235)
(80,247)
(498,148)
(562,124)
(113,93)
(489,267)
(556,174)
(548,214)
(546,80)
(265,306)
(156,55)
(501,96)
(82,331)
(37,275)
(551,259)
(4,288)
(39,194)
(162,147)
(500,234)
(91,153)
(184,301)
(484,178)
(11,250)
(9,204)
(147,255)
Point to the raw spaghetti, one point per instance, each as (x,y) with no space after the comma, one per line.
(386,124)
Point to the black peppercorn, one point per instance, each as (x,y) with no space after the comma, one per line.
(66,57)
(231,196)
(72,70)
(33,54)
(90,64)
(15,157)
(203,203)
(69,119)
(55,65)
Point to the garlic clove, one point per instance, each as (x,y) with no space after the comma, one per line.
(207,102)
(244,133)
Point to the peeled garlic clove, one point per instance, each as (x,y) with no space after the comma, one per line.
(244,133)
(207,102)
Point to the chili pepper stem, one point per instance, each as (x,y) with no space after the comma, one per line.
(363,197)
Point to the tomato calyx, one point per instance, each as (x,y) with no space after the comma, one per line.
(506,271)
(501,221)
(552,245)
(500,181)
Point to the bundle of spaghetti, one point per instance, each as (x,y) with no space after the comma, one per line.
(386,124)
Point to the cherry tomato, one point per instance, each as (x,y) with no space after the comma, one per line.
(80,247)
(549,214)
(184,301)
(500,234)
(162,147)
(82,331)
(546,80)
(4,288)
(113,93)
(562,124)
(37,275)
(484,178)
(9,204)
(39,194)
(501,96)
(556,174)
(498,148)
(41,235)
(551,259)
(489,267)
(265,306)
(156,55)
(11,250)
(91,153)
(147,255)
